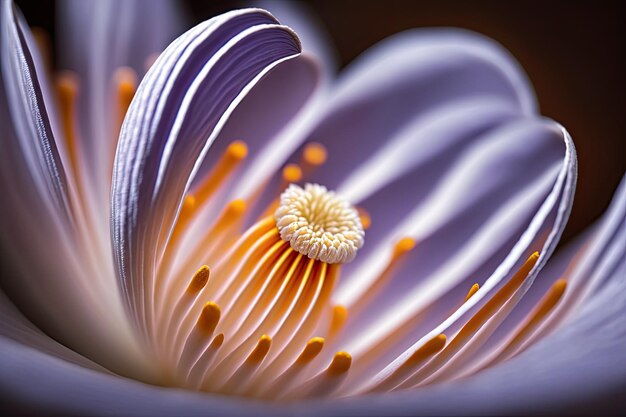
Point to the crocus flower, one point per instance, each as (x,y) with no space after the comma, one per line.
(240,233)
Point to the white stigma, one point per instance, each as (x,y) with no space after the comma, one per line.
(319,224)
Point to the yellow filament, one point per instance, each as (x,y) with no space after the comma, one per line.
(67,90)
(230,159)
(186,212)
(42,39)
(431,347)
(230,215)
(206,359)
(366,220)
(472,291)
(403,246)
(280,385)
(475,322)
(260,236)
(535,318)
(292,173)
(400,249)
(416,359)
(209,317)
(125,79)
(217,341)
(496,301)
(301,321)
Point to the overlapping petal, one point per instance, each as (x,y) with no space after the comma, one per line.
(57,287)
(95,39)
(179,109)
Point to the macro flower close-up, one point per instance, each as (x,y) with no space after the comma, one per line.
(215,220)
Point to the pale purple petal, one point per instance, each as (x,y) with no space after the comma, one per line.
(94,39)
(14,326)
(27,109)
(315,39)
(56,288)
(179,109)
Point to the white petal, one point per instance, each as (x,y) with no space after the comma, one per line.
(52,283)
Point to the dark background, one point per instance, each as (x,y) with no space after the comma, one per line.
(572,51)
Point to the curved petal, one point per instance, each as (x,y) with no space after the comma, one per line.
(579,364)
(404,77)
(13,325)
(33,382)
(179,109)
(55,288)
(393,84)
(26,105)
(540,232)
(315,40)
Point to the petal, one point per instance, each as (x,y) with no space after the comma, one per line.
(53,284)
(34,382)
(94,39)
(179,109)
(27,108)
(578,365)
(13,325)
(398,81)
(315,39)
(405,77)
(531,220)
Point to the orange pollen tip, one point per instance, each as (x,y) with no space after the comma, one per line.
(366,220)
(190,200)
(340,315)
(292,173)
(209,317)
(261,349)
(311,350)
(403,246)
(472,291)
(199,280)
(431,347)
(217,341)
(236,207)
(67,84)
(126,80)
(560,285)
(237,150)
(315,154)
(340,364)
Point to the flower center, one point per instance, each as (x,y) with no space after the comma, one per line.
(263,311)
(319,224)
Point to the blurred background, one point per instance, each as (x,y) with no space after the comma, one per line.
(573,53)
